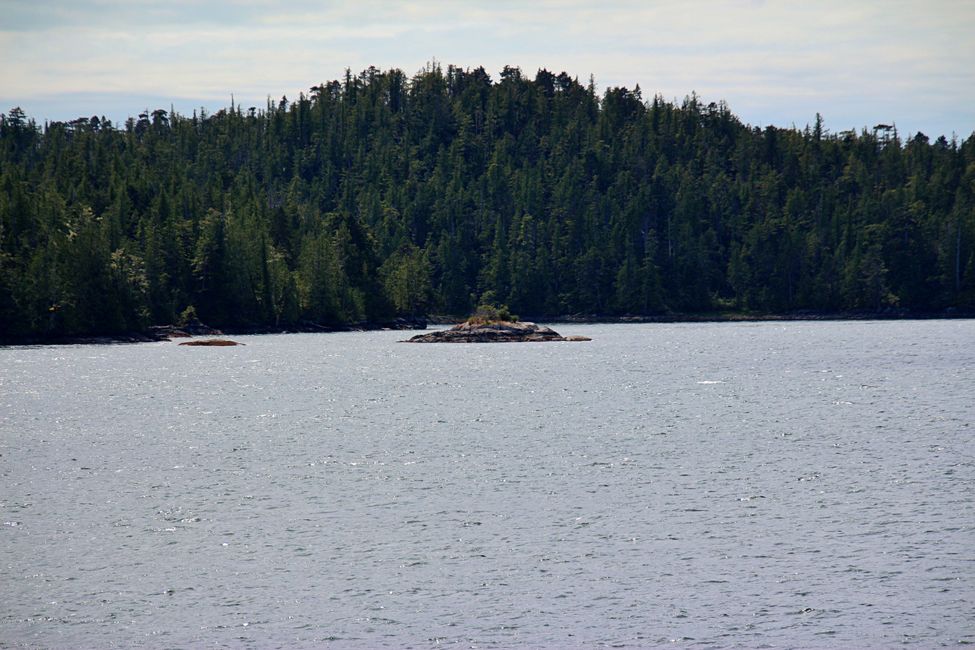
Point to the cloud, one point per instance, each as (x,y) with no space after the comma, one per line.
(774,62)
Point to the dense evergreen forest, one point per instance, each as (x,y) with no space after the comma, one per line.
(382,194)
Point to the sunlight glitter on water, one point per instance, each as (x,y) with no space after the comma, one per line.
(692,482)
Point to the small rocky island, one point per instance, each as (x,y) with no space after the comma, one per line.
(493,325)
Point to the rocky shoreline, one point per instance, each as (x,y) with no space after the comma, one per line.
(757,317)
(494,332)
(219,343)
(158,333)
(168,332)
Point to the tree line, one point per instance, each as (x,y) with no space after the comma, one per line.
(381,194)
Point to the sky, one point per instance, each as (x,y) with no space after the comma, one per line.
(858,63)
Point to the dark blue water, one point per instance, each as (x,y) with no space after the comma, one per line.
(707,485)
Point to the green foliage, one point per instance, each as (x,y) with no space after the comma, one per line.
(406,280)
(485,314)
(187,317)
(381,194)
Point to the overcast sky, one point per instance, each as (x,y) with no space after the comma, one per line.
(857,63)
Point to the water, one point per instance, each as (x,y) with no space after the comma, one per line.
(708,485)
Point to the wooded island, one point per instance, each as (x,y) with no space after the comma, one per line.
(382,195)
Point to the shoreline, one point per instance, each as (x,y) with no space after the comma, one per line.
(149,336)
(747,317)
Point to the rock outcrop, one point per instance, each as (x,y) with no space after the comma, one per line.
(212,342)
(194,327)
(493,332)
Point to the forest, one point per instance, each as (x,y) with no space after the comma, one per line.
(381,195)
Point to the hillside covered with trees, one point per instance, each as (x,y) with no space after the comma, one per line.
(382,194)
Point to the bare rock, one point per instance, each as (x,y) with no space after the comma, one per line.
(490,332)
(195,327)
(212,342)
